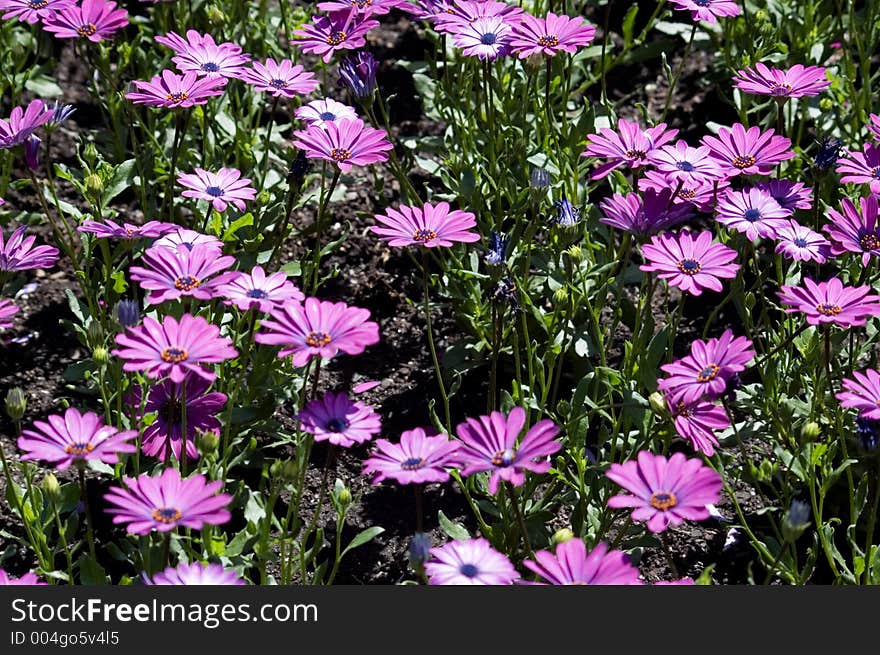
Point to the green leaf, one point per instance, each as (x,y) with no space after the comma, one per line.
(628,23)
(79,310)
(242,221)
(44,86)
(122,178)
(454,530)
(363,537)
(90,572)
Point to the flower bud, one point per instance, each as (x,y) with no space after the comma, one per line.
(658,403)
(343,496)
(563,408)
(561,536)
(128,313)
(90,154)
(575,253)
(100,355)
(51,487)
(419,549)
(795,521)
(207,442)
(216,15)
(358,73)
(539,178)
(560,296)
(285,470)
(94,184)
(95,334)
(16,403)
(32,152)
(810,431)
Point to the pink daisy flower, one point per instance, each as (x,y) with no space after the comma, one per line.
(644,213)
(223,188)
(690,263)
(795,82)
(790,195)
(19,253)
(573,565)
(682,164)
(752,212)
(697,422)
(171,275)
(459,13)
(184,239)
(854,231)
(629,146)
(469,562)
(346,143)
(202,55)
(75,438)
(318,328)
(861,167)
(30,579)
(172,90)
(8,309)
(338,419)
(492,443)
(862,393)
(415,459)
(365,7)
(800,243)
(485,38)
(33,11)
(197,573)
(327,110)
(550,35)
(173,348)
(281,78)
(259,291)
(430,226)
(165,501)
(108,229)
(748,152)
(341,30)
(708,10)
(95,20)
(701,196)
(831,302)
(22,123)
(665,492)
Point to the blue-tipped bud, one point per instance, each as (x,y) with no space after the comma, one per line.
(60,113)
(358,73)
(497,248)
(829,152)
(795,521)
(539,178)
(567,215)
(419,549)
(32,152)
(128,313)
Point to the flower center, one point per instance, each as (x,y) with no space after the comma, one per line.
(548,41)
(210,67)
(86,29)
(689,266)
(827,309)
(177,96)
(423,235)
(469,570)
(504,457)
(743,161)
(166,515)
(488,38)
(663,500)
(336,38)
(172,411)
(214,191)
(327,116)
(752,215)
(412,464)
(340,154)
(362,3)
(257,293)
(317,339)
(174,355)
(800,242)
(685,166)
(683,410)
(702,3)
(278,83)
(79,449)
(875,172)
(337,424)
(37,4)
(635,154)
(186,283)
(708,373)
(869,242)
(780,89)
(687,194)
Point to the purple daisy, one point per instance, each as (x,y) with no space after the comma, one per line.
(751,211)
(415,459)
(665,492)
(831,302)
(346,143)
(19,254)
(171,274)
(365,7)
(184,239)
(326,110)
(795,82)
(573,565)
(702,196)
(683,164)
(708,10)
(281,79)
(550,35)
(205,57)
(492,443)
(690,263)
(861,167)
(697,422)
(223,188)
(22,122)
(196,573)
(748,152)
(172,90)
(338,419)
(173,348)
(29,579)
(469,562)
(8,309)
(485,38)
(165,501)
(318,328)
(95,20)
(259,291)
(629,146)
(75,438)
(790,195)
(645,213)
(862,393)
(800,243)
(33,11)
(108,229)
(705,372)
(854,231)
(430,226)
(341,30)
(459,13)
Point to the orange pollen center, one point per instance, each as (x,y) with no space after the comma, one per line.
(79,449)
(743,161)
(548,41)
(336,38)
(166,515)
(708,373)
(423,236)
(869,242)
(663,500)
(177,96)
(340,154)
(87,29)
(317,339)
(186,283)
(174,355)
(827,309)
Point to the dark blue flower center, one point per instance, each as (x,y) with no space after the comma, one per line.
(469,570)
(663,500)
(412,464)
(689,266)
(800,242)
(37,4)
(708,373)
(702,3)
(166,515)
(337,424)
(257,293)
(214,191)
(328,116)
(488,38)
(752,215)
(685,166)
(210,67)
(504,457)
(875,172)
(278,83)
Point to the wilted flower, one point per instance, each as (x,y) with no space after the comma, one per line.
(497,248)
(828,153)
(358,73)
(567,215)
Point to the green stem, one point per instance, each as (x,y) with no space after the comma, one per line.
(90,535)
(438,371)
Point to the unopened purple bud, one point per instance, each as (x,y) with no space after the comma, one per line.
(419,549)
(60,113)
(358,73)
(567,214)
(497,248)
(128,313)
(32,152)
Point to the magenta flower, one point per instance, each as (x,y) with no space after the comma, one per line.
(95,20)
(341,30)
(831,302)
(257,291)
(690,263)
(196,573)
(318,329)
(327,110)
(550,35)
(802,244)
(862,393)
(22,123)
(790,195)
(795,82)
(430,226)
(19,253)
(365,7)
(168,400)
(748,152)
(108,229)
(205,57)
(861,167)
(491,443)
(223,188)
(75,438)
(171,274)
(644,213)
(165,501)
(708,10)
(8,309)
(458,13)
(33,11)
(854,231)
(572,565)
(702,196)
(696,423)
(706,371)
(469,562)
(484,38)
(416,459)
(172,90)
(30,579)
(751,211)
(338,419)
(629,146)
(665,492)
(173,349)
(183,239)
(281,79)
(346,143)
(683,164)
